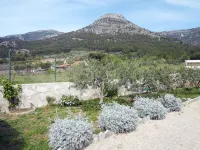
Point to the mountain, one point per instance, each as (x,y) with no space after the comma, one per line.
(35,35)
(190,36)
(110,33)
(114,24)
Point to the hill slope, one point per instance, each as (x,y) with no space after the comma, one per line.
(190,36)
(35,35)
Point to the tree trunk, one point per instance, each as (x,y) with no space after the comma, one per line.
(102,95)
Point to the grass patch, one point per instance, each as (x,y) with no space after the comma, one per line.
(185,93)
(31,129)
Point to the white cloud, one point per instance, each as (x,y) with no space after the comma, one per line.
(187,3)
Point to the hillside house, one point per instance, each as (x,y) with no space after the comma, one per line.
(192,64)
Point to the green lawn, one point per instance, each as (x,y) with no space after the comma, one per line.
(40,78)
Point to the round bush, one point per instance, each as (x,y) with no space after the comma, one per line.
(149,107)
(69,101)
(170,102)
(118,118)
(70,134)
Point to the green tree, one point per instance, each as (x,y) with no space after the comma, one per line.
(95,73)
(45,66)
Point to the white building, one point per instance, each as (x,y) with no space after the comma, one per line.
(192,64)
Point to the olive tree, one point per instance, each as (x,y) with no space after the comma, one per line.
(95,73)
(190,77)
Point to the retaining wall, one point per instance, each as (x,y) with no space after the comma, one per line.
(37,93)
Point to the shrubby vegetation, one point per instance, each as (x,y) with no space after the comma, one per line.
(96,73)
(170,102)
(149,107)
(50,100)
(70,134)
(118,118)
(11,92)
(130,45)
(69,101)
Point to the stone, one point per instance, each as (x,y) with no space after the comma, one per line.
(108,133)
(145,119)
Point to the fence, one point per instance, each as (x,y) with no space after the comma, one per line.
(24,72)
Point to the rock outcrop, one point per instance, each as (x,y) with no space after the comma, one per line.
(114,24)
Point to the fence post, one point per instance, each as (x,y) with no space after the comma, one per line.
(9,65)
(55,70)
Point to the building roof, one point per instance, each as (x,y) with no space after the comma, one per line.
(192,61)
(63,66)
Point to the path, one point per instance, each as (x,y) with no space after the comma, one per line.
(178,131)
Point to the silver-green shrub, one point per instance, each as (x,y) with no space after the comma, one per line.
(70,134)
(170,102)
(149,107)
(118,118)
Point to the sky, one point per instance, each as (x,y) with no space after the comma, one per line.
(21,16)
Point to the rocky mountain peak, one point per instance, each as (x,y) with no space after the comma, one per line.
(114,24)
(113,16)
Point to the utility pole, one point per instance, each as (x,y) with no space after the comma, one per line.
(9,65)
(55,70)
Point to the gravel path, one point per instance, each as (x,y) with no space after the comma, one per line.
(178,131)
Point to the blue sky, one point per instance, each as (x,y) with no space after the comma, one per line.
(21,16)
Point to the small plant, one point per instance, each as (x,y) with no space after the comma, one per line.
(70,134)
(69,101)
(50,100)
(110,91)
(149,107)
(170,102)
(118,118)
(11,93)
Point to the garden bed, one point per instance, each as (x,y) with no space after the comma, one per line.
(33,127)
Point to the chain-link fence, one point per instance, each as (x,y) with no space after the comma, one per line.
(35,72)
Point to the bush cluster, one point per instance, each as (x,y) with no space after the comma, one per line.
(149,107)
(170,102)
(69,101)
(50,100)
(77,133)
(70,134)
(11,93)
(118,118)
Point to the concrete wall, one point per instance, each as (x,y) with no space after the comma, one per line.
(3,102)
(36,94)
